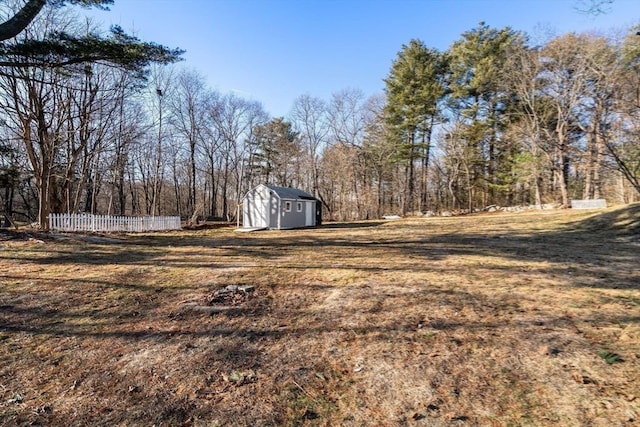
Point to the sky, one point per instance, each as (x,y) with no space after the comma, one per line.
(274,51)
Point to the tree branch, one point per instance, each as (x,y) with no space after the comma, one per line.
(20,20)
(17,23)
(60,49)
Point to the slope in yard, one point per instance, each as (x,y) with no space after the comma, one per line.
(509,319)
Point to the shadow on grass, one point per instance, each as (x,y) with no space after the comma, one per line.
(131,325)
(600,251)
(621,222)
(128,312)
(348,225)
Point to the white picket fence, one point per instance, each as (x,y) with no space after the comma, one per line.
(108,223)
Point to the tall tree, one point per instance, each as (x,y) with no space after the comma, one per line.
(481,98)
(211,147)
(41,60)
(276,157)
(381,155)
(348,117)
(309,118)
(128,127)
(529,115)
(625,147)
(415,85)
(597,116)
(189,107)
(565,88)
(233,118)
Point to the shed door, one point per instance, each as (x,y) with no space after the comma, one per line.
(256,212)
(262,217)
(309,213)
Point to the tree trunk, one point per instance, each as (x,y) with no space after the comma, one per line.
(225,182)
(214,188)
(44,193)
(538,197)
(192,158)
(424,187)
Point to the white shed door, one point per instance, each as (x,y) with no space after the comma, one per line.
(309,213)
(262,213)
(256,212)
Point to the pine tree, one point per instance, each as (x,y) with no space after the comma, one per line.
(275,151)
(62,49)
(480,100)
(414,87)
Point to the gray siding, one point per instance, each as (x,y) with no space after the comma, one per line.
(293,218)
(273,211)
(278,207)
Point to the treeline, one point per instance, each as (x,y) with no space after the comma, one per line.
(493,120)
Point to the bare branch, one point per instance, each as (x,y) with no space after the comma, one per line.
(594,7)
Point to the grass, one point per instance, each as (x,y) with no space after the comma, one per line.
(495,319)
(610,357)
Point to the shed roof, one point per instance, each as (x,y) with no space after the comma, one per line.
(290,193)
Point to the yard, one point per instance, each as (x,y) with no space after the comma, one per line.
(515,319)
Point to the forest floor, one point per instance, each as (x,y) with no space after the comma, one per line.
(505,319)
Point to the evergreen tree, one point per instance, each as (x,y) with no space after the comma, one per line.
(275,149)
(480,100)
(414,86)
(61,48)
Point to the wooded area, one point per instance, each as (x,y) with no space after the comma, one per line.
(494,120)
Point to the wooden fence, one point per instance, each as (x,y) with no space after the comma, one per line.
(107,223)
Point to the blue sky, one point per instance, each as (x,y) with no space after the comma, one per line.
(273,51)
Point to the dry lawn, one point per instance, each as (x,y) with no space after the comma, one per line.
(522,319)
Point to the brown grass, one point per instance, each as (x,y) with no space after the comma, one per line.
(505,319)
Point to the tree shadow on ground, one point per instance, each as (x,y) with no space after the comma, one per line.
(419,321)
(599,251)
(620,222)
(347,225)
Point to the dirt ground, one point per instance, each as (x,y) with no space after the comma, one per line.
(518,319)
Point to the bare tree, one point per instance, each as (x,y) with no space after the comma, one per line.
(64,106)
(128,128)
(565,86)
(624,146)
(233,119)
(597,117)
(189,106)
(380,151)
(211,146)
(348,118)
(30,103)
(531,114)
(159,90)
(309,118)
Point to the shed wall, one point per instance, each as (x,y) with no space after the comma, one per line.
(296,218)
(264,207)
(255,209)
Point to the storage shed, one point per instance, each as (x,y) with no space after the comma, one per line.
(269,206)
